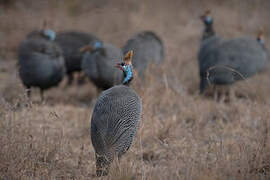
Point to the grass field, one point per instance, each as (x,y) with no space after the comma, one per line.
(182,135)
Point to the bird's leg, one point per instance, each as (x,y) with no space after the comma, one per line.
(81,79)
(70,79)
(42,95)
(232,96)
(28,92)
(215,93)
(222,95)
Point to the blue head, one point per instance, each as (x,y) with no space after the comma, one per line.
(126,67)
(97,44)
(50,34)
(206,18)
(208,23)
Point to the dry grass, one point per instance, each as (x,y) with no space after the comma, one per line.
(182,135)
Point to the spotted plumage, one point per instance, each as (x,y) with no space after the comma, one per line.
(70,43)
(223,62)
(148,49)
(99,64)
(114,122)
(40,61)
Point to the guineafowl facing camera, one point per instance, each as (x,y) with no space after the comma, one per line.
(40,61)
(115,119)
(223,62)
(148,48)
(99,64)
(209,42)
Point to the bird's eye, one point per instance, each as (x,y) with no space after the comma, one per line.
(122,64)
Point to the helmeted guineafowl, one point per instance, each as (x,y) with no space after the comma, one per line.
(227,61)
(209,42)
(148,48)
(98,64)
(40,61)
(115,119)
(71,42)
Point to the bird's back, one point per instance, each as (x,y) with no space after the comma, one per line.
(245,55)
(208,46)
(71,42)
(147,47)
(232,60)
(114,121)
(100,66)
(40,63)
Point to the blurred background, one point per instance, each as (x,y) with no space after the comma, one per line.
(176,22)
(182,135)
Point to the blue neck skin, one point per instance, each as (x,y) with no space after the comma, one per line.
(127,69)
(50,34)
(97,45)
(208,30)
(208,20)
(260,41)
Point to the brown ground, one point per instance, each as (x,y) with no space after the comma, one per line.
(182,135)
